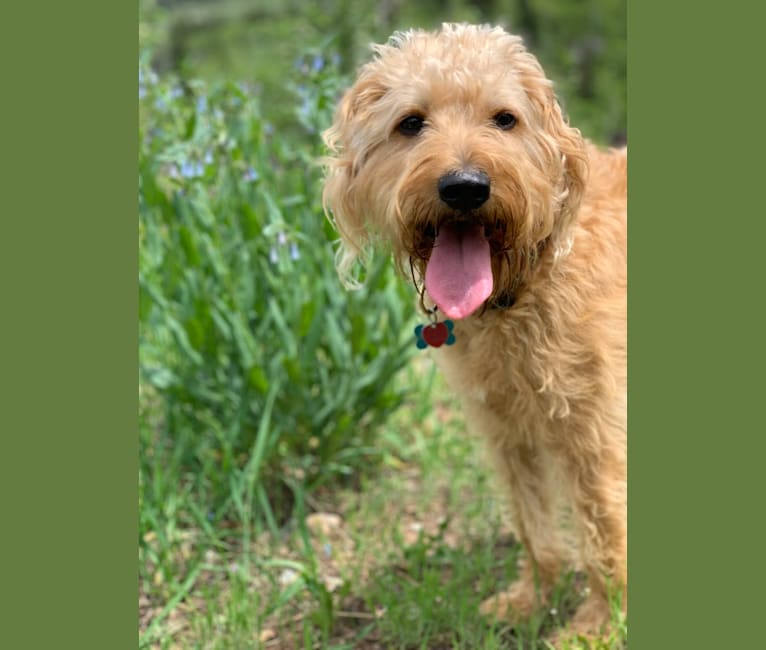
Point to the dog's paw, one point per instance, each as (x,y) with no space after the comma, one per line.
(589,628)
(496,607)
(569,639)
(592,618)
(514,605)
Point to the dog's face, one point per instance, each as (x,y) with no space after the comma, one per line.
(451,148)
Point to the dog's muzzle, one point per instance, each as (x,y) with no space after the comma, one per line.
(464,190)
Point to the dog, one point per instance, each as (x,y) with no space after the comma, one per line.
(450,150)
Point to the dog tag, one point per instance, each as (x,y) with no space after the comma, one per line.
(435,334)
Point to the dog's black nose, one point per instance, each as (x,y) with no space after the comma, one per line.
(464,190)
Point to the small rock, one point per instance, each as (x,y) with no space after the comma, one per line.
(267,635)
(323,523)
(331,583)
(288,576)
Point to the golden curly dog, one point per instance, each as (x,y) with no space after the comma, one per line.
(450,149)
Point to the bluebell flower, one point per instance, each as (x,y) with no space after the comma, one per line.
(176,92)
(192,169)
(281,238)
(317,63)
(273,255)
(295,254)
(208,159)
(201,104)
(305,108)
(251,175)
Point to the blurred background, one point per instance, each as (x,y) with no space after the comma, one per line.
(581,44)
(304,479)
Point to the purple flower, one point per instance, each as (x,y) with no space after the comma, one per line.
(317,63)
(306,106)
(251,175)
(186,169)
(192,169)
(150,78)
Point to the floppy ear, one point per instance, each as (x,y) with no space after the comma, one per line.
(573,175)
(342,196)
(564,147)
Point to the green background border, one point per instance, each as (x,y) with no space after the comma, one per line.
(68,464)
(696,226)
(68,260)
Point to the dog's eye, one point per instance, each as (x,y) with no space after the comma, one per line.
(411,125)
(504,120)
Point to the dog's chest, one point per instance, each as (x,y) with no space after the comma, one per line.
(509,363)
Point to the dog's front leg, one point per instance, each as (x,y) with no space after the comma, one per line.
(598,491)
(525,470)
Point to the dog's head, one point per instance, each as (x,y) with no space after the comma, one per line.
(450,147)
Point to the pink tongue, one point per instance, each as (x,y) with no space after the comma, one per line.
(459,273)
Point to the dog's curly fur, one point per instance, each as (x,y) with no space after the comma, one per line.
(544,380)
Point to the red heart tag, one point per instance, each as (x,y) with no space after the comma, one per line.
(435,334)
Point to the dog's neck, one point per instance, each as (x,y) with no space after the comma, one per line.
(507,298)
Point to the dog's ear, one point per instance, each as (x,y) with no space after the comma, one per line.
(570,147)
(566,150)
(348,146)
(563,146)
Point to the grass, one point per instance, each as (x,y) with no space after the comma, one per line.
(402,560)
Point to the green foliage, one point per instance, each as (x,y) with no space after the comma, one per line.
(258,370)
